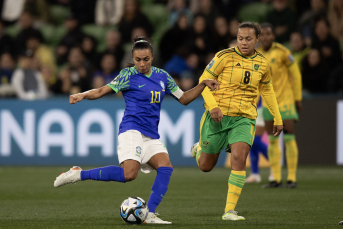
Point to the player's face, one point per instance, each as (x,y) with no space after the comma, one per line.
(246,40)
(267,37)
(142,59)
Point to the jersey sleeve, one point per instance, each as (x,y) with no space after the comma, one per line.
(288,58)
(268,95)
(215,67)
(121,82)
(212,71)
(172,88)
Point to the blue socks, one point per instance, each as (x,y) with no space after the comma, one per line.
(108,173)
(257,147)
(160,187)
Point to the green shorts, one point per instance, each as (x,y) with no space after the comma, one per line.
(216,136)
(288,112)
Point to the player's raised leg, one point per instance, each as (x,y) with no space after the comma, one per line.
(161,163)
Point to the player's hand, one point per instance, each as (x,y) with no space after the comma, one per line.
(76,98)
(299,106)
(216,114)
(277,130)
(211,84)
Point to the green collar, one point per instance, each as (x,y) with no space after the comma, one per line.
(144,74)
(246,57)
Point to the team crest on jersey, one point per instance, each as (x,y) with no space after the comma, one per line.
(256,66)
(205,144)
(273,60)
(162,85)
(209,66)
(138,151)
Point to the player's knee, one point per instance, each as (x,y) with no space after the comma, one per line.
(130,176)
(205,167)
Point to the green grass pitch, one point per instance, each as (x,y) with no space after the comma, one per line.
(194,200)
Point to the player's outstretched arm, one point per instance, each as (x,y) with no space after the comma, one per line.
(193,93)
(91,94)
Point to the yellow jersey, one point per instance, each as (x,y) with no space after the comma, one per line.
(286,75)
(239,77)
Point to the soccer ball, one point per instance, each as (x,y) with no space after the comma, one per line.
(133,210)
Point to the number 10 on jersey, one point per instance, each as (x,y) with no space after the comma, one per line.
(155,96)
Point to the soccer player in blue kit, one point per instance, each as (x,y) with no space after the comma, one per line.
(143,88)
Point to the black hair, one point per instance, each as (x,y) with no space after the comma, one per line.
(141,42)
(268,25)
(252,25)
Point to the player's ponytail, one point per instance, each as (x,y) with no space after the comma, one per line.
(141,42)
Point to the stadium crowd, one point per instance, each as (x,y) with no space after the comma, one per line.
(61,47)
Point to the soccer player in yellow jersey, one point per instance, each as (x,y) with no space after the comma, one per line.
(286,79)
(230,116)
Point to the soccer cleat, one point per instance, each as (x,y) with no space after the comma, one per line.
(291,184)
(153,219)
(194,150)
(253,178)
(273,184)
(72,176)
(232,215)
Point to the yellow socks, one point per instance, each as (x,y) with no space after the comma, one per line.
(274,156)
(236,183)
(291,156)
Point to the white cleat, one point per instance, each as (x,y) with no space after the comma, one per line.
(253,178)
(194,150)
(153,219)
(232,215)
(72,176)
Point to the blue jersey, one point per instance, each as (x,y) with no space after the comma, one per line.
(143,98)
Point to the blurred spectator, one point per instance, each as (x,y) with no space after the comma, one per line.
(175,37)
(11,10)
(190,77)
(7,65)
(209,11)
(72,38)
(88,47)
(63,84)
(199,40)
(131,19)
(336,79)
(48,75)
(178,8)
(83,10)
(60,2)
(326,44)
(233,28)
(307,20)
(27,82)
(108,12)
(298,48)
(80,76)
(43,53)
(6,42)
(27,30)
(107,72)
(233,43)
(283,20)
(139,31)
(40,11)
(227,8)
(314,71)
(176,65)
(221,37)
(113,46)
(335,16)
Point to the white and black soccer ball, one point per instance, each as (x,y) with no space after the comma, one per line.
(133,210)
